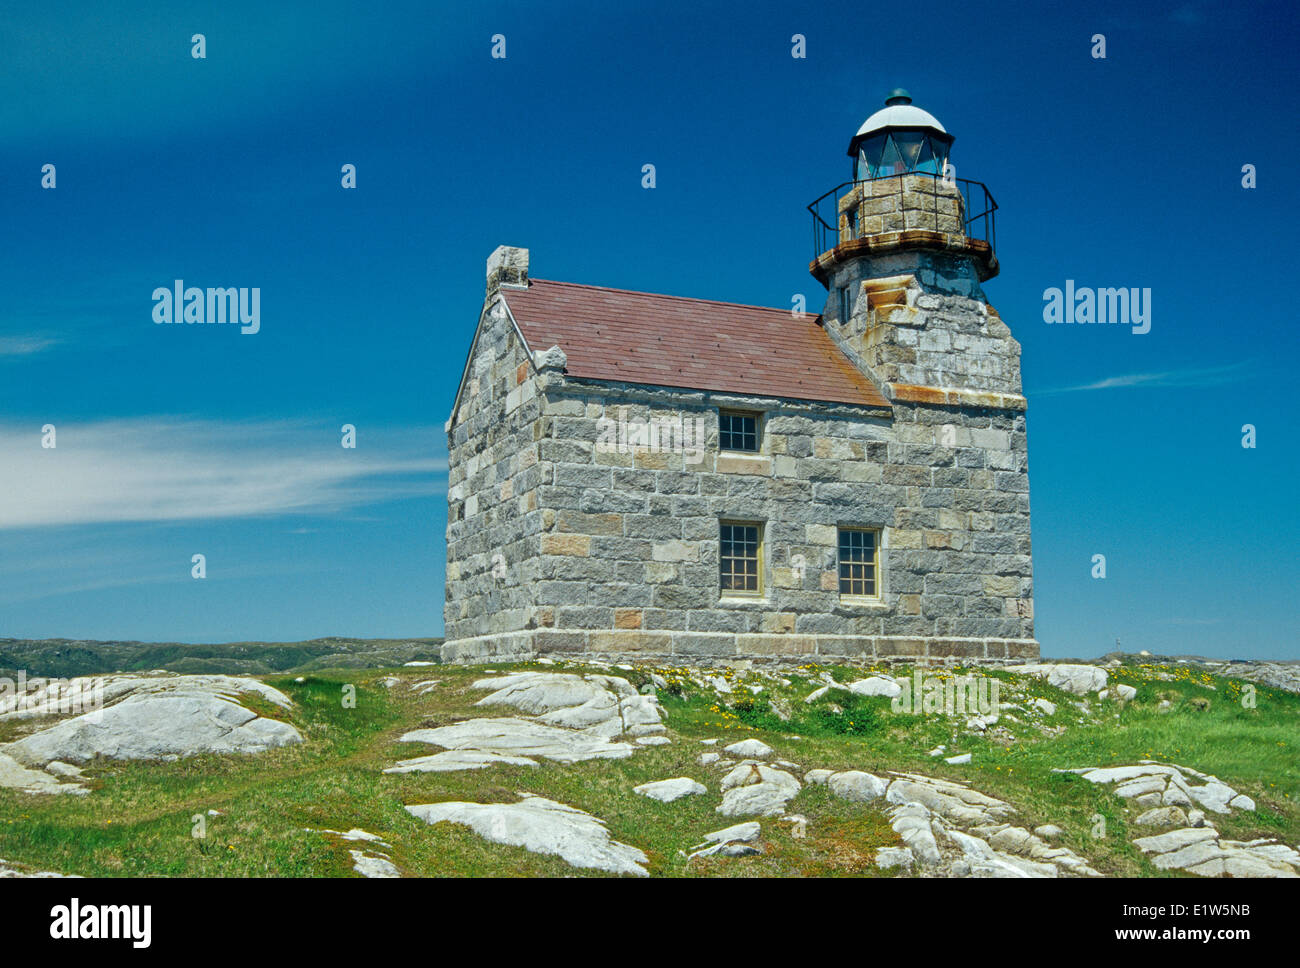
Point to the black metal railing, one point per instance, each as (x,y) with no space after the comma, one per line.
(977,208)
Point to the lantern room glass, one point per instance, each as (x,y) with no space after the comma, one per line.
(896,152)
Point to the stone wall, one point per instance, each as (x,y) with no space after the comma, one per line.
(493,476)
(621,559)
(915,201)
(921,319)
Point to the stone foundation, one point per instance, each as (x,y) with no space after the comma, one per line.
(705,648)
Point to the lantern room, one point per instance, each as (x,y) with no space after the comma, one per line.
(899,138)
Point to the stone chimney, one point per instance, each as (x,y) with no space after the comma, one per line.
(507,268)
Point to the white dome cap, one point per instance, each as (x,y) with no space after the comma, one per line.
(899,112)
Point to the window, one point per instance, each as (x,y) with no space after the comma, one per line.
(897,152)
(738,431)
(859,563)
(740,558)
(869,153)
(846,304)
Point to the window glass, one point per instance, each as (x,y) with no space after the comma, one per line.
(738,558)
(909,146)
(738,431)
(869,152)
(940,151)
(858,560)
(925,160)
(891,163)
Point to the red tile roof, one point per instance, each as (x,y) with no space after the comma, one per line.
(673,341)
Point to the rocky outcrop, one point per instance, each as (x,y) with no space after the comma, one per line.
(666,791)
(603,705)
(8,869)
(154,717)
(575,718)
(1169,792)
(1150,784)
(753,789)
(1077,679)
(951,830)
(740,840)
(1200,850)
(542,826)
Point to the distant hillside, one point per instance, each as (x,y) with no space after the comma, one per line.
(77,657)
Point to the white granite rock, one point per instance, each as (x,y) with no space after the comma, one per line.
(856,786)
(1175,840)
(756,790)
(373,865)
(666,791)
(515,737)
(1200,850)
(750,749)
(1162,817)
(15,776)
(876,686)
(911,821)
(595,703)
(887,857)
(1150,784)
(356,833)
(8,869)
(743,832)
(161,718)
(542,826)
(454,760)
(728,850)
(1077,679)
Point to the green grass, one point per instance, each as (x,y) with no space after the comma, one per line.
(139,818)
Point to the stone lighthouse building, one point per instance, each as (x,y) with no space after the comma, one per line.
(655,477)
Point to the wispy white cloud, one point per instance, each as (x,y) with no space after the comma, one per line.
(24,345)
(1182,379)
(175,468)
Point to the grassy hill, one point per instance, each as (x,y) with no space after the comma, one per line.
(140,817)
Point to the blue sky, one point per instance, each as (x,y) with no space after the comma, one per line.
(173,441)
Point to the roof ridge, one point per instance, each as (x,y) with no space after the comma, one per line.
(664,295)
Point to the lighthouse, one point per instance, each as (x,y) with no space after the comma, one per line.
(853,485)
(903,248)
